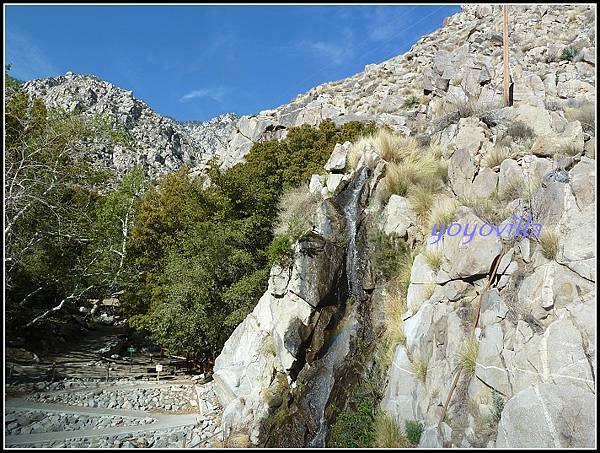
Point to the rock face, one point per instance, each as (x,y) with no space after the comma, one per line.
(546,415)
(535,332)
(302,330)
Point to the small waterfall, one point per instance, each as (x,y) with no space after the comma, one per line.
(330,372)
(339,348)
(355,258)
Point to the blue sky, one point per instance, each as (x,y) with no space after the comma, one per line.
(195,62)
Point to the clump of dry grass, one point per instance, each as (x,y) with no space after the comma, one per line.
(496,156)
(401,279)
(408,164)
(586,115)
(421,200)
(419,367)
(548,240)
(296,208)
(392,147)
(518,130)
(514,188)
(569,149)
(393,310)
(387,433)
(428,290)
(434,258)
(488,209)
(237,439)
(467,356)
(396,181)
(442,212)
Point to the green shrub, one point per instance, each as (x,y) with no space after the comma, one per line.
(387,252)
(568,53)
(410,102)
(280,249)
(518,130)
(201,256)
(64,217)
(354,429)
(413,429)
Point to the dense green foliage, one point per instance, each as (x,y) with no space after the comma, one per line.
(201,256)
(64,230)
(413,429)
(354,429)
(387,251)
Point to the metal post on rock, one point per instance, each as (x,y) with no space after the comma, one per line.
(505,56)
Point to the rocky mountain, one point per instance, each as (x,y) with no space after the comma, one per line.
(159,144)
(495,337)
(459,62)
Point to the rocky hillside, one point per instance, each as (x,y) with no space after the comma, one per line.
(492,335)
(459,62)
(485,342)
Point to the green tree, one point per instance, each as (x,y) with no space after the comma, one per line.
(60,231)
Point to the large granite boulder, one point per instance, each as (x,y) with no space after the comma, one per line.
(548,416)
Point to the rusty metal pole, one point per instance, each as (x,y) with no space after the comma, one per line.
(505,56)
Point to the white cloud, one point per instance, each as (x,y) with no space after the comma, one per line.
(216,94)
(332,52)
(387,22)
(28,61)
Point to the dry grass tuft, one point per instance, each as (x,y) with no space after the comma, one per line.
(434,259)
(467,356)
(490,210)
(442,212)
(419,367)
(496,156)
(296,208)
(569,149)
(586,115)
(518,130)
(548,240)
(428,290)
(514,188)
(237,439)
(408,163)
(393,310)
(421,200)
(387,433)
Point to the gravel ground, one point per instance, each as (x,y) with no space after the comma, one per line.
(201,435)
(125,395)
(28,422)
(174,398)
